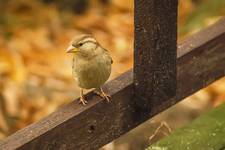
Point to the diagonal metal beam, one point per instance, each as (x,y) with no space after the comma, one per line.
(201,60)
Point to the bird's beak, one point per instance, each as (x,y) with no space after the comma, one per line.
(72,49)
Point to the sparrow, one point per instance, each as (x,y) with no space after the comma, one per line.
(91,66)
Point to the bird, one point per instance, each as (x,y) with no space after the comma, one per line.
(91,65)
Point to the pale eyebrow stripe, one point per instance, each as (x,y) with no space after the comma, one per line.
(95,42)
(88,39)
(84,37)
(90,42)
(75,41)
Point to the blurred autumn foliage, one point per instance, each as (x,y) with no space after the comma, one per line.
(35,71)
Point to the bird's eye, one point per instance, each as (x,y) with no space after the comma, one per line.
(80,44)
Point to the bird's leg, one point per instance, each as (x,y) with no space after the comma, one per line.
(82,99)
(101,93)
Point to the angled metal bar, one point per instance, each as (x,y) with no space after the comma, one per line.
(155,51)
(201,60)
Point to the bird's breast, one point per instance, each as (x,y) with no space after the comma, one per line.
(91,73)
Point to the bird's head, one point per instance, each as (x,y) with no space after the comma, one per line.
(83,45)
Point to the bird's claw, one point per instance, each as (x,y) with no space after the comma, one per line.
(106,96)
(82,100)
(103,95)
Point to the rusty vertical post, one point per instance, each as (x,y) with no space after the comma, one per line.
(155,51)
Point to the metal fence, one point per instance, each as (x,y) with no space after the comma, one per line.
(164,73)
